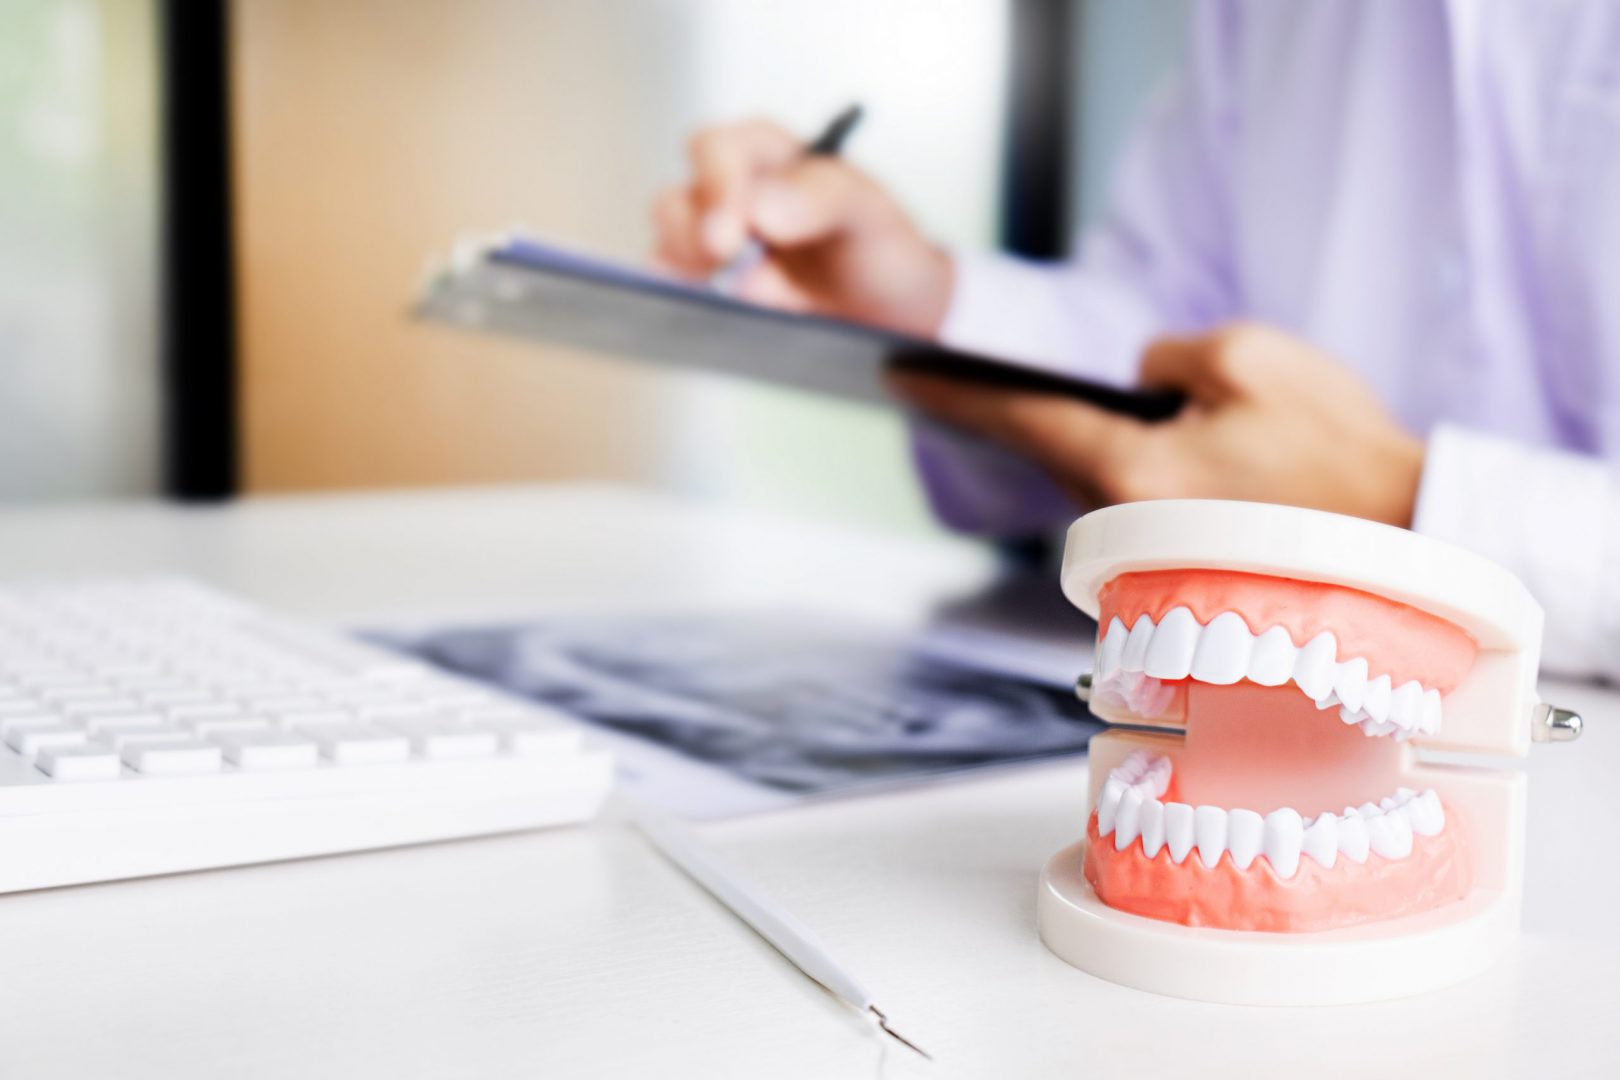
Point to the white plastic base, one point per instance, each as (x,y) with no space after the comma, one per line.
(1390,959)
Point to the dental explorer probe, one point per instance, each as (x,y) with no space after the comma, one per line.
(782,931)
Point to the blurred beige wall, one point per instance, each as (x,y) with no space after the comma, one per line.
(368,133)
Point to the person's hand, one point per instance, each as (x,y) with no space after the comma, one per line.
(838,243)
(1268,418)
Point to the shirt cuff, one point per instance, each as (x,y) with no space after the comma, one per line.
(1004,307)
(1551,517)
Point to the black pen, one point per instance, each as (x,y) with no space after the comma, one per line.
(827,144)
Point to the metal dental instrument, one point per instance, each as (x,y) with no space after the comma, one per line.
(786,934)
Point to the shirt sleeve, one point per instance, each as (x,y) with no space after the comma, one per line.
(1158,262)
(1551,517)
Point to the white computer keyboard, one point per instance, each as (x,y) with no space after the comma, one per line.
(157,726)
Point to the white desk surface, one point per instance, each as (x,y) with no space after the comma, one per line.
(578,952)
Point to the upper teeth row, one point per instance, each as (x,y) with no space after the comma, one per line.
(1225,652)
(1130,807)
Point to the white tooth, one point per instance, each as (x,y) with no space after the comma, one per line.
(1328,702)
(1427,815)
(1404,795)
(1374,728)
(1285,832)
(1377,702)
(1132,767)
(1141,692)
(1152,827)
(1148,697)
(1170,653)
(1316,665)
(1209,826)
(1321,840)
(1108,805)
(1244,829)
(1388,803)
(1128,819)
(1406,706)
(1157,777)
(1348,717)
(1222,655)
(1430,724)
(1390,834)
(1350,682)
(1111,649)
(1178,830)
(1369,810)
(1272,659)
(1353,841)
(1136,646)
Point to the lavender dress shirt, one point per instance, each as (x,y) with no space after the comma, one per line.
(1427,189)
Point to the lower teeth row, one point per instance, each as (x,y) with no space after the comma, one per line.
(1129,808)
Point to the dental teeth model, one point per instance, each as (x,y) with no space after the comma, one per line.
(1280,839)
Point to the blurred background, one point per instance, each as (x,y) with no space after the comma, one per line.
(214,214)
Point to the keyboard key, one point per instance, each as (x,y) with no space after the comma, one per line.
(60,694)
(211,726)
(459,699)
(120,721)
(498,711)
(118,738)
(256,750)
(440,738)
(97,706)
(181,696)
(140,685)
(202,710)
(29,738)
(79,763)
(41,716)
(387,712)
(171,758)
(136,670)
(350,694)
(520,734)
(360,744)
(37,675)
(284,703)
(306,718)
